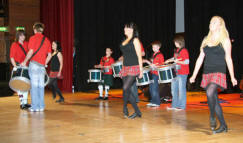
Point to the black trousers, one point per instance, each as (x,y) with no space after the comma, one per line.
(54,88)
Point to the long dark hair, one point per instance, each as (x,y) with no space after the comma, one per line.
(59,48)
(18,34)
(135,29)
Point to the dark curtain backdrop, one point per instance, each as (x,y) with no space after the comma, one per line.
(197,17)
(99,24)
(57,15)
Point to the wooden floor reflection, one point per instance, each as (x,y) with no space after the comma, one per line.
(81,119)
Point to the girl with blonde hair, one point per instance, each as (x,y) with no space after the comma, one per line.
(216,54)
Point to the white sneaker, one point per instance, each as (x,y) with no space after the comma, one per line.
(170,108)
(32,110)
(155,105)
(41,110)
(178,109)
(149,104)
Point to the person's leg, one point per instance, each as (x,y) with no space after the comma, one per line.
(33,74)
(182,79)
(20,95)
(134,90)
(174,92)
(41,88)
(107,88)
(51,86)
(58,91)
(127,88)
(154,90)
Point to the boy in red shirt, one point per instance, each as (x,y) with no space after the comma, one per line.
(178,84)
(39,55)
(105,64)
(157,60)
(18,51)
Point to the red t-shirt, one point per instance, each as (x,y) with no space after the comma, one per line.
(17,53)
(107,62)
(183,55)
(34,44)
(158,59)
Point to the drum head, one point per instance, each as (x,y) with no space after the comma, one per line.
(19,85)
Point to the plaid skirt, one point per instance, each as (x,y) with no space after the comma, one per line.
(217,78)
(129,70)
(53,74)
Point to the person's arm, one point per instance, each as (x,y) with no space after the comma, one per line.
(60,58)
(228,59)
(121,58)
(197,66)
(28,56)
(184,60)
(48,58)
(170,60)
(137,46)
(13,62)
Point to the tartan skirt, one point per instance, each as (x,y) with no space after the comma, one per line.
(53,74)
(217,78)
(129,70)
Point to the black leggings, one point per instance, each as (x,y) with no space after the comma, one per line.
(128,81)
(213,103)
(54,87)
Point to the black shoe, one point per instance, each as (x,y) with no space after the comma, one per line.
(60,100)
(27,106)
(53,96)
(105,98)
(213,123)
(221,129)
(22,106)
(134,115)
(125,112)
(99,98)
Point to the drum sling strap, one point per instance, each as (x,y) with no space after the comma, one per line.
(43,39)
(156,55)
(22,48)
(178,52)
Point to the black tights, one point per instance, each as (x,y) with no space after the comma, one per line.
(213,103)
(128,81)
(54,87)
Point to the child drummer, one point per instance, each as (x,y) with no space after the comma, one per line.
(105,64)
(157,60)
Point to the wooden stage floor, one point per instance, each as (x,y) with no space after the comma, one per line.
(81,119)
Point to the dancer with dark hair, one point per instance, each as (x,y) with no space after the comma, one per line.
(56,70)
(216,49)
(132,67)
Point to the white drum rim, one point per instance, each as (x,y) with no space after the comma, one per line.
(96,80)
(165,81)
(94,70)
(117,64)
(143,83)
(165,68)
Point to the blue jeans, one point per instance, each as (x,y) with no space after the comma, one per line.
(154,90)
(134,91)
(37,76)
(178,91)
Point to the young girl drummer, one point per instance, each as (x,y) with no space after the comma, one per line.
(105,64)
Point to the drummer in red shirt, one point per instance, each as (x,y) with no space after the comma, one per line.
(39,55)
(178,84)
(157,60)
(105,64)
(18,51)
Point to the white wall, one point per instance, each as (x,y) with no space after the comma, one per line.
(180,16)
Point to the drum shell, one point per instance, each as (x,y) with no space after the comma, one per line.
(145,80)
(166,74)
(116,67)
(95,75)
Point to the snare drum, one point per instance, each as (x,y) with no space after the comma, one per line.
(116,67)
(166,73)
(20,80)
(95,75)
(145,80)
